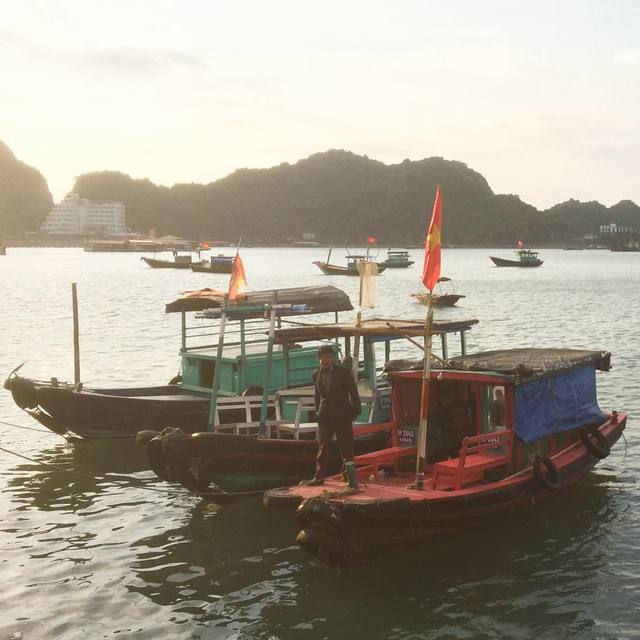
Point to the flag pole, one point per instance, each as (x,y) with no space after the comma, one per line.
(424,398)
(430,275)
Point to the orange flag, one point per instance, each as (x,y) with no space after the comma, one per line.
(238,281)
(431,270)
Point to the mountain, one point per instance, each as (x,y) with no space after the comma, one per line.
(25,200)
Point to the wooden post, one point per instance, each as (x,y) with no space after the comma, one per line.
(267,373)
(213,404)
(424,402)
(76,335)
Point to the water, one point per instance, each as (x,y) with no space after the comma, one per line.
(111,553)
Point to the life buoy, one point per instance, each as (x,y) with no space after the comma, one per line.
(595,443)
(549,479)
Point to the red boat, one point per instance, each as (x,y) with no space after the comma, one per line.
(506,429)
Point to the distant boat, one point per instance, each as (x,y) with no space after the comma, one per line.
(573,247)
(397,259)
(441,298)
(350,270)
(216,264)
(178,262)
(526,258)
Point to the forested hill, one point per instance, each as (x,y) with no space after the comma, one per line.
(24,195)
(343,197)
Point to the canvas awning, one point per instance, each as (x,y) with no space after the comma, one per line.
(531,363)
(374,327)
(306,300)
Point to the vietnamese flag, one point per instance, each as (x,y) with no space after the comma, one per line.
(431,270)
(238,281)
(371,240)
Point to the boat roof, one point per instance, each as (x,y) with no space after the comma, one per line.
(306,300)
(508,365)
(530,363)
(374,327)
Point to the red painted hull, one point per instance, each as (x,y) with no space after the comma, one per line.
(389,513)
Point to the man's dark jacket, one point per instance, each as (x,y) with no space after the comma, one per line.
(342,403)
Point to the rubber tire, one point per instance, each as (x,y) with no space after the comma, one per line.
(549,480)
(600,448)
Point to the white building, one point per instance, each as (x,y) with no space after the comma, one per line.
(613,228)
(77,216)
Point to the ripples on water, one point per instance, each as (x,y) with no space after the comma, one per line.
(102,554)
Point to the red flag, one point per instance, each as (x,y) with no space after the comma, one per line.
(431,270)
(371,240)
(238,281)
(520,243)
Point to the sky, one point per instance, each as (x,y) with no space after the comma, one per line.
(541,98)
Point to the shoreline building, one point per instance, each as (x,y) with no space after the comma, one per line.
(76,216)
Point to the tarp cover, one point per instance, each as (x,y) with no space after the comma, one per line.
(552,405)
(316,299)
(531,363)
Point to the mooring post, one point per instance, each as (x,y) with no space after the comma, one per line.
(76,335)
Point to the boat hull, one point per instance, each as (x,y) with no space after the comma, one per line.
(442,300)
(212,268)
(165,264)
(383,515)
(502,262)
(219,463)
(337,270)
(97,413)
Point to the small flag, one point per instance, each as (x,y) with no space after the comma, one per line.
(371,240)
(238,281)
(431,270)
(520,244)
(204,246)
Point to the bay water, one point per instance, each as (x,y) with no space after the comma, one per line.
(92,545)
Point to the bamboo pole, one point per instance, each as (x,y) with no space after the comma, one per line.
(76,335)
(213,404)
(424,402)
(267,373)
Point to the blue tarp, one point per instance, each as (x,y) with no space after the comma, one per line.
(556,404)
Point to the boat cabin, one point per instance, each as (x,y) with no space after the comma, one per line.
(513,404)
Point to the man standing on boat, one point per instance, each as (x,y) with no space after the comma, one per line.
(337,404)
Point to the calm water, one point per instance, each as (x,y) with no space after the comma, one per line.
(103,554)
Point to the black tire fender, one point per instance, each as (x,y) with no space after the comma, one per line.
(549,477)
(595,443)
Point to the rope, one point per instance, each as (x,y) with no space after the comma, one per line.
(130,481)
(19,426)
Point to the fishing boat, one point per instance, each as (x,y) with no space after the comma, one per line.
(352,267)
(179,261)
(250,456)
(227,338)
(441,298)
(216,264)
(506,429)
(526,258)
(397,259)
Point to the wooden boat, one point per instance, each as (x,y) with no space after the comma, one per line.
(234,458)
(178,262)
(194,401)
(350,270)
(216,264)
(397,260)
(508,429)
(441,298)
(526,258)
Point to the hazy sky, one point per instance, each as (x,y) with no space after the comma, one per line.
(542,99)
